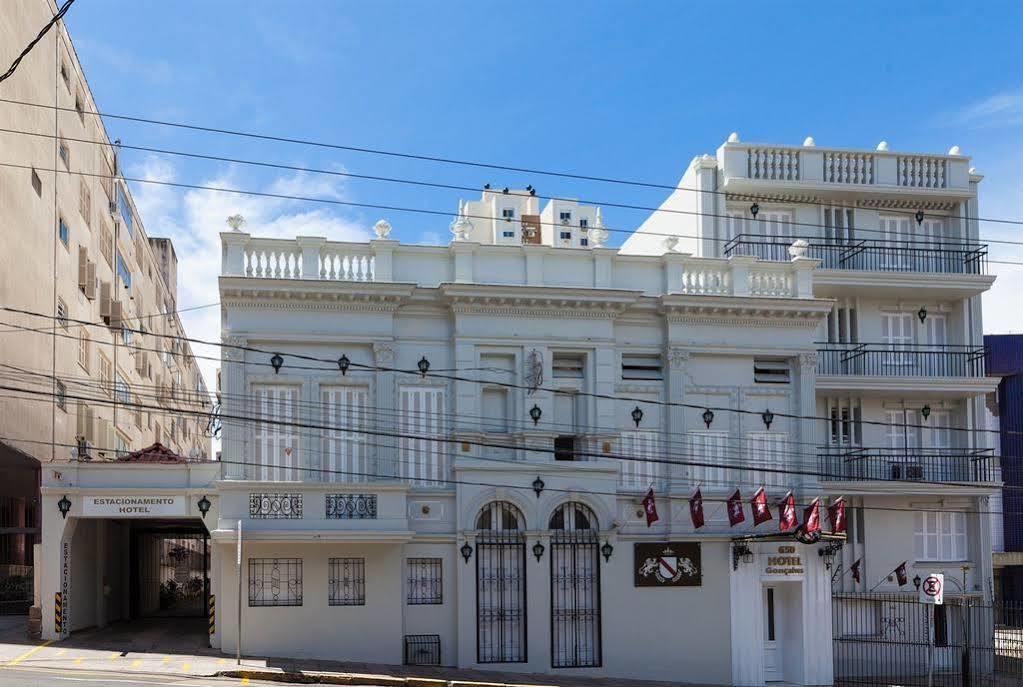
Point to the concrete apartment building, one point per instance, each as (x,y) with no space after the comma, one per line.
(75,248)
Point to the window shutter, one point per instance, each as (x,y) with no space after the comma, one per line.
(344,450)
(420,458)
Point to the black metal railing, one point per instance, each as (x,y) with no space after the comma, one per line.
(893,639)
(912,465)
(869,254)
(422,650)
(899,360)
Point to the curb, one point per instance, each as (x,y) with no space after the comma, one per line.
(355,679)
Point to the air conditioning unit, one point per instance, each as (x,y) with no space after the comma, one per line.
(86,423)
(899,471)
(90,281)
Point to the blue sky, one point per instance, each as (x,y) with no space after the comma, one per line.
(631,90)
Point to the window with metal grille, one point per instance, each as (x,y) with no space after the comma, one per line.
(564,448)
(346,581)
(61,395)
(642,366)
(275,582)
(771,371)
(422,650)
(424,581)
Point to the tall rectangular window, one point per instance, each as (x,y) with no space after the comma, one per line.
(710,449)
(344,447)
(63,232)
(124,207)
(106,374)
(83,348)
(425,584)
(275,582)
(85,202)
(276,441)
(346,582)
(495,410)
(62,314)
(106,243)
(123,272)
(65,154)
(641,469)
(422,459)
(61,395)
(766,450)
(940,536)
(122,391)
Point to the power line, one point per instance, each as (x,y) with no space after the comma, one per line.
(243,419)
(945,241)
(28,48)
(332,363)
(444,160)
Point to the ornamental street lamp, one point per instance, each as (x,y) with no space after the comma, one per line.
(538,550)
(538,485)
(64,505)
(754,209)
(926,412)
(741,553)
(922,314)
(919,216)
(535,414)
(204,506)
(277,361)
(637,415)
(708,417)
(606,550)
(768,418)
(424,366)
(342,364)
(466,551)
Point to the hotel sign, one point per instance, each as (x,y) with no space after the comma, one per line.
(786,561)
(134,506)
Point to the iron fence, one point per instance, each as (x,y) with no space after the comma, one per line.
(893,639)
(900,360)
(949,257)
(914,464)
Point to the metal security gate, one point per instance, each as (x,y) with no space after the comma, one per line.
(172,574)
(501,598)
(884,639)
(575,588)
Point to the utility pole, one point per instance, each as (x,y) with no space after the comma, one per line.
(238,563)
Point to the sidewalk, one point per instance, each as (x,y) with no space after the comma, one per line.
(153,648)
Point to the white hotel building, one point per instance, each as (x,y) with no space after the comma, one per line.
(389,516)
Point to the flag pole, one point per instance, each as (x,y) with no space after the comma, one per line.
(885,577)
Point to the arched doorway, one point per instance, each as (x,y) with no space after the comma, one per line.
(575,587)
(500,584)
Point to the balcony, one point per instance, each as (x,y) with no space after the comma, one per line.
(869,255)
(899,360)
(909,465)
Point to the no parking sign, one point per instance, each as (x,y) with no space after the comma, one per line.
(932,589)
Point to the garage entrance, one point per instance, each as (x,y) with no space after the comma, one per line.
(170,565)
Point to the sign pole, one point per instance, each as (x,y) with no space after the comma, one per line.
(930,644)
(238,564)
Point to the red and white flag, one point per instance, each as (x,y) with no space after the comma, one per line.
(761,513)
(855,567)
(735,514)
(836,514)
(812,516)
(650,508)
(696,508)
(787,512)
(900,574)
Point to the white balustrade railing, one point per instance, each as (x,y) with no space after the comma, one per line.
(346,263)
(271,259)
(771,282)
(706,279)
(919,171)
(773,164)
(848,168)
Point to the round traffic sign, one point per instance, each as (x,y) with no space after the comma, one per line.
(931,586)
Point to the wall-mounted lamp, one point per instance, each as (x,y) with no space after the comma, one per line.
(538,550)
(768,418)
(606,550)
(535,414)
(637,415)
(424,366)
(919,217)
(64,505)
(917,581)
(754,209)
(708,417)
(342,364)
(466,551)
(829,552)
(741,553)
(926,412)
(276,361)
(538,486)
(204,506)
(922,314)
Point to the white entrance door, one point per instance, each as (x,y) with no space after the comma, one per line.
(898,333)
(773,634)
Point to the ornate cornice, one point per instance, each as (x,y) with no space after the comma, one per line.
(298,294)
(538,302)
(745,311)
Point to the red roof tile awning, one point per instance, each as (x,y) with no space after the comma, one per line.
(157,453)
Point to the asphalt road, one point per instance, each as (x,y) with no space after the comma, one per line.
(31,677)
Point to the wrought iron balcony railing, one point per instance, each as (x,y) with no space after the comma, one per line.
(899,360)
(870,255)
(910,465)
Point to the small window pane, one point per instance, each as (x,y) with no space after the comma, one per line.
(275,582)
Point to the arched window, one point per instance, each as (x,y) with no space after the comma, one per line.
(500,584)
(572,517)
(500,516)
(575,587)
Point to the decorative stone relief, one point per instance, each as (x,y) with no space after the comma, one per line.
(383,354)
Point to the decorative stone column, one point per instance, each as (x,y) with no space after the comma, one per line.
(677,360)
(234,434)
(808,405)
(384,394)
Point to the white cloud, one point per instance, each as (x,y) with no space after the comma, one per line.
(999,110)
(194,218)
